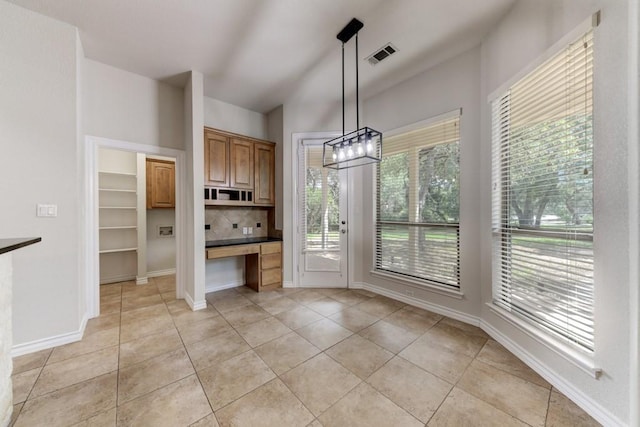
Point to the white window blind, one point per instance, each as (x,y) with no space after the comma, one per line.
(320,194)
(417,226)
(542,132)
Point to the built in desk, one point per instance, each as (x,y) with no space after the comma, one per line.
(263,259)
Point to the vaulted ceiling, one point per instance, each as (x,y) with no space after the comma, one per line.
(258,53)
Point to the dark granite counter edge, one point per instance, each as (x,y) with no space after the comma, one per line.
(8,245)
(235,242)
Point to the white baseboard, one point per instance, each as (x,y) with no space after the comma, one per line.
(214,288)
(195,305)
(159,273)
(435,308)
(55,341)
(116,279)
(288,284)
(142,280)
(589,405)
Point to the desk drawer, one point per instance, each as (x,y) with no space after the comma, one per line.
(227,251)
(270,261)
(271,248)
(271,276)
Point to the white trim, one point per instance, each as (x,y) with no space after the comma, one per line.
(578,358)
(592,407)
(583,27)
(50,342)
(416,302)
(116,279)
(633,52)
(92,260)
(214,288)
(142,280)
(288,284)
(195,306)
(418,284)
(296,142)
(158,273)
(422,123)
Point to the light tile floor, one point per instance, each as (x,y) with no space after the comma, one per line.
(321,357)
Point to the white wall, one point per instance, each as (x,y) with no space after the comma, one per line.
(275,129)
(194,225)
(161,251)
(452,85)
(125,106)
(228,117)
(40,164)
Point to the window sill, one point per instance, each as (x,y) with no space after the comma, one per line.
(418,284)
(580,359)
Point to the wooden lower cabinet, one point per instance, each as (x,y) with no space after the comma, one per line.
(264,270)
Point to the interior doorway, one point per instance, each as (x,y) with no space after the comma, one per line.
(121,234)
(323,226)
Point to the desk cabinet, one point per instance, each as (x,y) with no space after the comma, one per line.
(263,263)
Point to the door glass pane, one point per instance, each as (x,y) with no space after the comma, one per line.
(322,214)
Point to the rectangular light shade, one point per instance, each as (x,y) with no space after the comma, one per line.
(356,148)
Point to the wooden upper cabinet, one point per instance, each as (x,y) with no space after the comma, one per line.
(265,156)
(216,159)
(161,184)
(241,164)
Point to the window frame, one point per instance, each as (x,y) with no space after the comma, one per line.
(577,355)
(406,279)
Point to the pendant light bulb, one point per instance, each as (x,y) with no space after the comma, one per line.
(341,154)
(360,148)
(350,151)
(369,145)
(334,154)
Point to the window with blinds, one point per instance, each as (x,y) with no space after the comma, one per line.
(542,135)
(418,199)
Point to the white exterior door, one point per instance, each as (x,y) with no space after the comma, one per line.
(322,226)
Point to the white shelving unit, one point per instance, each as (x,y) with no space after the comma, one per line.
(118,216)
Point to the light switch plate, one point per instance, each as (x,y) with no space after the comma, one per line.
(244,230)
(46,210)
(250,230)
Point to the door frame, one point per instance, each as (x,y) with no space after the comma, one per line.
(91,257)
(296,140)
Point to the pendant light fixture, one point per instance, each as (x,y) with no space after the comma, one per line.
(362,146)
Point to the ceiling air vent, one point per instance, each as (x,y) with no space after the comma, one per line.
(382,53)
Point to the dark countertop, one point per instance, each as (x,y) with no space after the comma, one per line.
(244,241)
(8,245)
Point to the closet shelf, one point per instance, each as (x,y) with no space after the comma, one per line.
(119,227)
(118,207)
(117,173)
(116,190)
(113,251)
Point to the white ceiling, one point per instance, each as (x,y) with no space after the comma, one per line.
(257,53)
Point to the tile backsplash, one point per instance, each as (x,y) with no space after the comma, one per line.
(222,218)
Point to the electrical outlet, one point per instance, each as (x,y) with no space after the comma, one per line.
(244,230)
(409,292)
(258,225)
(250,230)
(235,225)
(207,226)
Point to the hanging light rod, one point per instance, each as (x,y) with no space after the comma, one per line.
(350,30)
(362,146)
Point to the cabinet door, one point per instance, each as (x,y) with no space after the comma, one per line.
(265,174)
(161,187)
(216,160)
(241,164)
